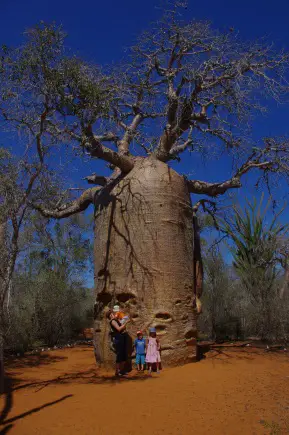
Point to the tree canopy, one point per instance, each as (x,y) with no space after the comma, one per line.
(183,86)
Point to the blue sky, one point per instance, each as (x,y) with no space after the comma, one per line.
(99,31)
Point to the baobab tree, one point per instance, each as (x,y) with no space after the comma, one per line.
(183,90)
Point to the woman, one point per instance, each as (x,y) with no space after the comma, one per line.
(119,336)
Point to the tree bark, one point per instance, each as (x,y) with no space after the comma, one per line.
(3,261)
(2,366)
(285,284)
(144,260)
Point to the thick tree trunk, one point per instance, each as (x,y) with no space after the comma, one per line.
(144,260)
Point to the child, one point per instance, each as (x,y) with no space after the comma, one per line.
(153,351)
(140,350)
(119,314)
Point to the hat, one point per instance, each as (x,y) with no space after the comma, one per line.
(115,309)
(153,330)
(139,332)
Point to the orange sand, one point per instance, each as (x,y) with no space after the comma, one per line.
(230,392)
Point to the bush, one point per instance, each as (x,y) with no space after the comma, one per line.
(47,311)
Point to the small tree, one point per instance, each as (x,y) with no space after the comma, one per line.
(185,87)
(49,300)
(56,266)
(22,180)
(24,177)
(216,287)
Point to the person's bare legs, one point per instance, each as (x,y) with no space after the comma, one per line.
(117,368)
(150,369)
(158,370)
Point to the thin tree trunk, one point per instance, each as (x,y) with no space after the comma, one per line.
(2,366)
(198,267)
(144,260)
(2,292)
(5,295)
(285,284)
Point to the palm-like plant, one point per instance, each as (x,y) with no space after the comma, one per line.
(256,253)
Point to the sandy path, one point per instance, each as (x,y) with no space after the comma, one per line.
(59,392)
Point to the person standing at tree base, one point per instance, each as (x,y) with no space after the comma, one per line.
(119,337)
(153,351)
(140,350)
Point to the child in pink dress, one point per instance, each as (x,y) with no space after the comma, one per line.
(153,351)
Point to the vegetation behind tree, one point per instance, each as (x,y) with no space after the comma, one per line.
(249,297)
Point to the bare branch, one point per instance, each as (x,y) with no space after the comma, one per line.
(273,158)
(217,90)
(123,144)
(178,148)
(96,149)
(96,179)
(213,189)
(211,209)
(184,74)
(76,206)
(203,202)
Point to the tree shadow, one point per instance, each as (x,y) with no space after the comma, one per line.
(8,422)
(8,404)
(220,354)
(6,429)
(14,383)
(30,361)
(8,400)
(239,353)
(11,381)
(104,200)
(202,350)
(79,377)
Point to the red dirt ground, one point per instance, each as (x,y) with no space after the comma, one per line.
(232,391)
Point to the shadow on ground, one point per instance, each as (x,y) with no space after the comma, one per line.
(90,376)
(226,353)
(86,377)
(29,361)
(8,405)
(15,382)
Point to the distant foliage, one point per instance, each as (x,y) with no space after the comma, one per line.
(249,298)
(50,303)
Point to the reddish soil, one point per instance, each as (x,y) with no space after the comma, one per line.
(232,391)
